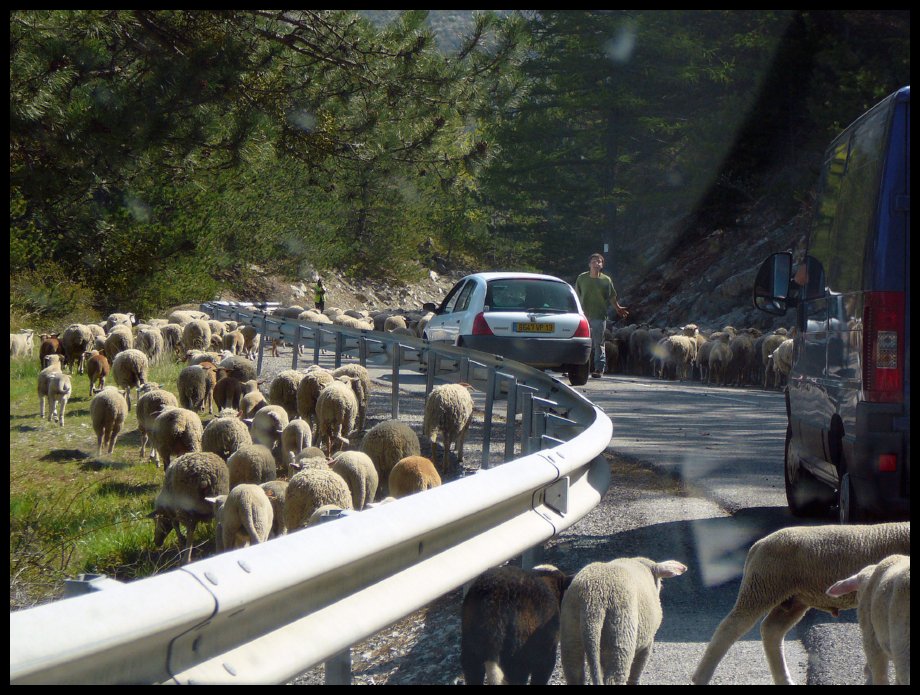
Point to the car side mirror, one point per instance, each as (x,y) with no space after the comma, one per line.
(772,292)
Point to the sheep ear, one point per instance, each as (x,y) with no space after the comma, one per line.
(845,586)
(669,568)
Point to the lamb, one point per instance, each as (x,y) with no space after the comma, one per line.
(283,391)
(448,409)
(362,393)
(195,385)
(251,342)
(244,516)
(113,320)
(97,368)
(267,427)
(610,614)
(107,410)
(234,342)
(172,338)
(176,431)
(782,359)
(118,340)
(308,390)
(720,356)
(311,457)
(129,369)
(53,366)
(182,317)
(75,341)
(412,474)
(225,434)
(192,479)
(336,411)
(308,491)
(251,463)
(640,350)
(358,472)
(786,573)
(22,344)
(883,595)
(296,437)
(393,322)
(680,351)
(58,393)
(387,443)
(510,626)
(196,334)
(151,401)
(195,357)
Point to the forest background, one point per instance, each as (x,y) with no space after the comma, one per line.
(158,157)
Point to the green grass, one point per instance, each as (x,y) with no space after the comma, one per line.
(71,511)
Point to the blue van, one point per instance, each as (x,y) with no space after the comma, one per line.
(848,394)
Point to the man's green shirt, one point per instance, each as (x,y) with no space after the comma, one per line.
(595,294)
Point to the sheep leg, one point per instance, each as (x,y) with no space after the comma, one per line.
(572,654)
(730,630)
(774,627)
(876,666)
(638,665)
(190,541)
(619,655)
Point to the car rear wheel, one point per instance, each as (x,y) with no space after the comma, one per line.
(578,374)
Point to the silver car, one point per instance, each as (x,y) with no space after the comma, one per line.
(530,318)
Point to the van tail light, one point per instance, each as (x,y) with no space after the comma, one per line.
(481,326)
(887,463)
(583,330)
(883,347)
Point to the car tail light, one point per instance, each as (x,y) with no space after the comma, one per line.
(480,325)
(887,463)
(583,330)
(883,347)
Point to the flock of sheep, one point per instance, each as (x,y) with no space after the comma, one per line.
(728,357)
(265,463)
(604,618)
(268,466)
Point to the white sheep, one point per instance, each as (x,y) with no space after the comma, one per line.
(610,614)
(276,490)
(108,410)
(720,357)
(234,342)
(251,344)
(308,390)
(296,437)
(387,443)
(196,334)
(283,391)
(195,385)
(22,344)
(189,482)
(53,366)
(176,431)
(358,472)
(225,434)
(309,490)
(118,340)
(268,425)
(59,392)
(149,340)
(413,474)
(336,412)
(448,409)
(244,516)
(251,463)
(151,401)
(362,388)
(786,573)
(883,595)
(251,398)
(172,338)
(181,317)
(114,320)
(238,367)
(129,369)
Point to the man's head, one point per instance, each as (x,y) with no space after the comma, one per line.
(596,261)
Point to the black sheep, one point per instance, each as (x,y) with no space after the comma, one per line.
(510,626)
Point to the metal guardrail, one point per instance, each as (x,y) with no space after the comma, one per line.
(267,613)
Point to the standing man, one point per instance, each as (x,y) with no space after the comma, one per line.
(596,292)
(319,294)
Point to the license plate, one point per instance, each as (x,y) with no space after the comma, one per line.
(534,327)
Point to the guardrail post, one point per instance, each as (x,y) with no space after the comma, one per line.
(262,340)
(362,350)
(527,423)
(338,669)
(510,418)
(431,370)
(487,417)
(317,342)
(298,336)
(394,394)
(339,346)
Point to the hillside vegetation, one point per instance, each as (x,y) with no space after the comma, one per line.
(160,156)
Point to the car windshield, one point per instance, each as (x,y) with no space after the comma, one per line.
(526,294)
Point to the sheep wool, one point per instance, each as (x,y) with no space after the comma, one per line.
(413,474)
(251,463)
(129,369)
(610,614)
(787,573)
(387,443)
(308,491)
(225,434)
(336,411)
(358,472)
(244,517)
(283,391)
(151,402)
(176,431)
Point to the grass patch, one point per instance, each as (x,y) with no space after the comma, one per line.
(72,511)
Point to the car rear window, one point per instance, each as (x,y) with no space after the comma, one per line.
(521,294)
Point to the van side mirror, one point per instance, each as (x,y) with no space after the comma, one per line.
(771,288)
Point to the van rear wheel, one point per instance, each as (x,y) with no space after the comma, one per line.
(848,507)
(805,496)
